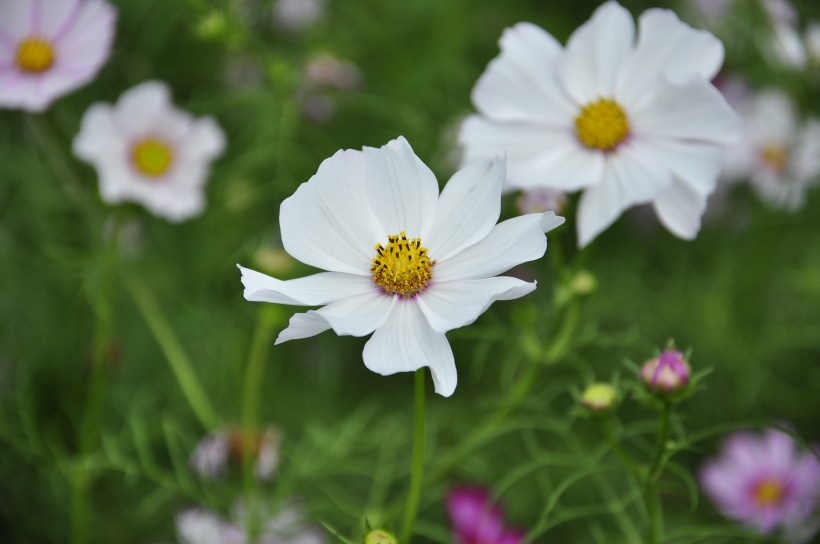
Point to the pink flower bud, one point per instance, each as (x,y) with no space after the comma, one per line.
(668,372)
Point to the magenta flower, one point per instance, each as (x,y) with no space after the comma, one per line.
(476,520)
(668,372)
(765,482)
(49,48)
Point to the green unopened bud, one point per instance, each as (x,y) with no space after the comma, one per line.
(378,536)
(599,397)
(213,26)
(583,283)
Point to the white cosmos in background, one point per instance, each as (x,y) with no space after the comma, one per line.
(403,262)
(199,526)
(779,154)
(147,151)
(48,48)
(626,119)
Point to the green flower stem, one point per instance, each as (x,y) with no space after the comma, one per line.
(620,453)
(251,392)
(175,354)
(417,474)
(654,508)
(89,430)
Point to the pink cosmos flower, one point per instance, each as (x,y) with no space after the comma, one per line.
(765,482)
(51,47)
(476,520)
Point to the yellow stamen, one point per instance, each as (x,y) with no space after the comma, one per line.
(35,55)
(152,157)
(769,492)
(775,156)
(602,125)
(403,267)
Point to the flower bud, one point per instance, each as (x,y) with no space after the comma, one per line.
(667,373)
(599,397)
(378,536)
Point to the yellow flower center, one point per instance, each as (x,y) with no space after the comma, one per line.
(35,55)
(152,157)
(775,156)
(768,492)
(602,125)
(403,267)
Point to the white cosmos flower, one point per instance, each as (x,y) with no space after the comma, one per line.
(779,154)
(50,47)
(147,151)
(402,261)
(629,120)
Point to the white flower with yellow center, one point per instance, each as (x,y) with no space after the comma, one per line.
(403,262)
(779,154)
(147,151)
(629,121)
(51,47)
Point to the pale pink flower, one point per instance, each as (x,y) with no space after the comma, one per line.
(765,482)
(48,48)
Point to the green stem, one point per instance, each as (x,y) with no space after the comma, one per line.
(417,474)
(654,508)
(619,452)
(254,372)
(90,424)
(174,352)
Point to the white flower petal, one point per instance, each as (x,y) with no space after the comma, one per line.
(406,342)
(327,222)
(633,176)
(537,156)
(98,137)
(697,164)
(595,52)
(141,106)
(359,315)
(468,208)
(314,290)
(805,162)
(402,190)
(303,325)
(598,208)
(695,110)
(205,138)
(680,208)
(666,47)
(453,304)
(517,85)
(510,243)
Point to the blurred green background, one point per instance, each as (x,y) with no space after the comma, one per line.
(102,457)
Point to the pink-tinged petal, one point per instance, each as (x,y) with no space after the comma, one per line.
(359,315)
(15,22)
(20,90)
(518,85)
(468,208)
(405,342)
(402,190)
(327,222)
(667,47)
(454,304)
(510,243)
(595,51)
(54,15)
(694,163)
(680,209)
(473,515)
(693,111)
(511,536)
(303,325)
(315,290)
